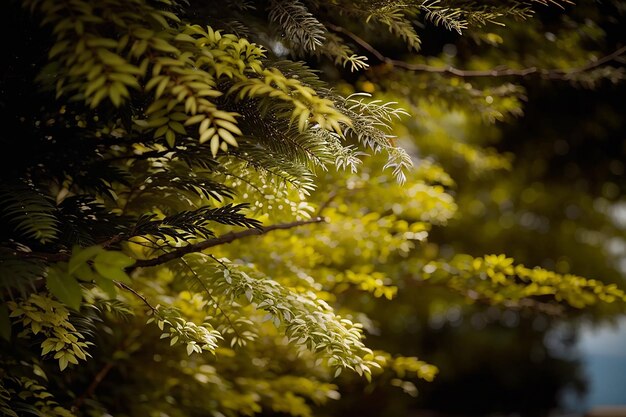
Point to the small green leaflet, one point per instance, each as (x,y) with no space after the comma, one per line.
(111,265)
(64,287)
(107,286)
(85,273)
(81,256)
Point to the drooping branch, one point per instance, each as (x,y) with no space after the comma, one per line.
(554,73)
(208,293)
(91,389)
(221,240)
(106,368)
(175,254)
(136,294)
(331,196)
(551,309)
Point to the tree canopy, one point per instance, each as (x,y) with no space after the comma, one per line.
(207,206)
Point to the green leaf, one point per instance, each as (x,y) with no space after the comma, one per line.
(62,363)
(64,287)
(5,323)
(111,265)
(85,273)
(81,256)
(107,286)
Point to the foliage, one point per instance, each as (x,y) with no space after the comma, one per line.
(191,219)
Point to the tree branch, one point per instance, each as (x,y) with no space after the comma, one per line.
(227,238)
(550,309)
(331,196)
(91,389)
(554,73)
(175,254)
(136,294)
(208,292)
(49,257)
(113,240)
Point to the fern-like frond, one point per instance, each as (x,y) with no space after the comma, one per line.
(241,5)
(399,24)
(458,16)
(188,189)
(277,134)
(371,122)
(196,184)
(276,168)
(306,320)
(346,157)
(19,273)
(85,222)
(451,18)
(29,212)
(341,54)
(190,225)
(98,176)
(299,26)
(299,70)
(24,391)
(234,26)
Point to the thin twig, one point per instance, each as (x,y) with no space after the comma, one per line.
(208,292)
(331,196)
(136,294)
(224,239)
(50,257)
(97,379)
(555,310)
(554,73)
(113,240)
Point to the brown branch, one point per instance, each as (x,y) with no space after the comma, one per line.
(97,379)
(224,239)
(550,309)
(197,247)
(331,196)
(113,240)
(136,294)
(554,73)
(50,257)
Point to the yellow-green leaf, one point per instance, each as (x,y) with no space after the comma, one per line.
(64,287)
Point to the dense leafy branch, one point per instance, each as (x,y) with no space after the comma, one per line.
(221,240)
(555,73)
(151,132)
(178,253)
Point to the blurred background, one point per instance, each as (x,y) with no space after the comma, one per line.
(603,353)
(561,205)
